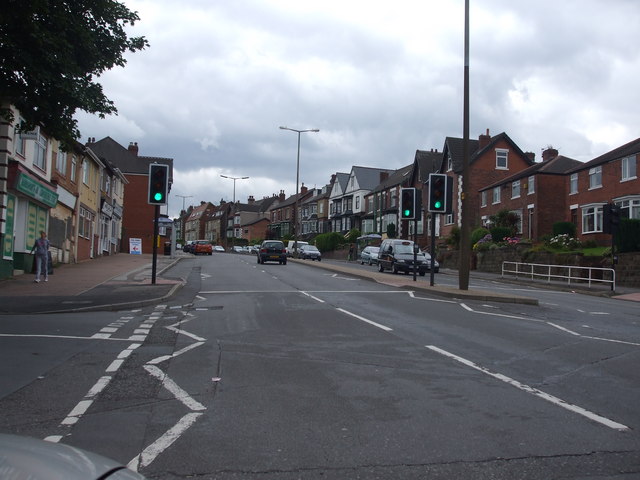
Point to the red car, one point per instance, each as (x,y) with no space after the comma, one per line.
(202,247)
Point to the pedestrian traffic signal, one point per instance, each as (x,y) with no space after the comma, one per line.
(408,205)
(158,184)
(610,218)
(437,193)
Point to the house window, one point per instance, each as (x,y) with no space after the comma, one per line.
(449,219)
(515,189)
(592,219)
(496,195)
(358,203)
(40,158)
(502,159)
(629,168)
(573,184)
(518,213)
(531,187)
(449,163)
(630,208)
(595,177)
(74,165)
(18,140)
(483,199)
(61,162)
(85,173)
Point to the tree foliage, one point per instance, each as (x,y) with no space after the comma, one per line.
(52,51)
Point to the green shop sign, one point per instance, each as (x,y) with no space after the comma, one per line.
(36,190)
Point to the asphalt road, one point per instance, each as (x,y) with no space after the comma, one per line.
(287,372)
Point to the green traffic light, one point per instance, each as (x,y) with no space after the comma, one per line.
(157,196)
(438,204)
(407,213)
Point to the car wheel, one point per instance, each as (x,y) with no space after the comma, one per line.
(258,258)
(319,259)
(422,274)
(394,269)
(380,267)
(284,262)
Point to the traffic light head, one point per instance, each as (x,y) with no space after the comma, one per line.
(408,204)
(437,193)
(158,184)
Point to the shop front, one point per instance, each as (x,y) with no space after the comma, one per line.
(28,203)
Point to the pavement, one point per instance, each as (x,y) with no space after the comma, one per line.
(124,281)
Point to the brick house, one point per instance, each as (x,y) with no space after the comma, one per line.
(138,214)
(609,178)
(491,159)
(527,192)
(195,224)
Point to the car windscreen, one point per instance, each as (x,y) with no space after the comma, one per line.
(402,248)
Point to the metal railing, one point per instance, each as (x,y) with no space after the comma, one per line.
(569,273)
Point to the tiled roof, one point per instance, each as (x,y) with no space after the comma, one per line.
(626,150)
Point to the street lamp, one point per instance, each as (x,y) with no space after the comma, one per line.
(233,237)
(295,212)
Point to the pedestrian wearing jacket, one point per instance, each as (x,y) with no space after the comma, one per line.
(41,247)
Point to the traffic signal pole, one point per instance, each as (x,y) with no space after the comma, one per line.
(156,230)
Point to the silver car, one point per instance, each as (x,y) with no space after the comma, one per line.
(310,251)
(369,255)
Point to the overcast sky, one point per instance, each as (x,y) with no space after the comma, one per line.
(380,80)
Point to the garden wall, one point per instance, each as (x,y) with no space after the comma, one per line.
(627,269)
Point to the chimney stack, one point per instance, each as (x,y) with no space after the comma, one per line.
(133,148)
(531,156)
(303,189)
(484,140)
(549,154)
(282,196)
(251,200)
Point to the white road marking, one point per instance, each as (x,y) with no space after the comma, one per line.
(370,322)
(150,453)
(534,391)
(563,329)
(311,296)
(174,389)
(163,358)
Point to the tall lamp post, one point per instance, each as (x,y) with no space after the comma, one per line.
(233,237)
(295,212)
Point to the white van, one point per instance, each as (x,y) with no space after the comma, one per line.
(289,248)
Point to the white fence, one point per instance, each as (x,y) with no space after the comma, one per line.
(568,273)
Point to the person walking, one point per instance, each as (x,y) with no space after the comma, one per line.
(41,247)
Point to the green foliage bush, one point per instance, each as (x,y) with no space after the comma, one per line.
(498,234)
(454,237)
(352,236)
(327,242)
(477,234)
(628,237)
(564,228)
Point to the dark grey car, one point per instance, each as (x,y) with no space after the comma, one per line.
(272,251)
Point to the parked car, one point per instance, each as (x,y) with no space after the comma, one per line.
(436,265)
(272,251)
(310,251)
(397,256)
(188,247)
(237,249)
(218,248)
(291,250)
(369,255)
(202,247)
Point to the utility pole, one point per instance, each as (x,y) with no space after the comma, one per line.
(465,217)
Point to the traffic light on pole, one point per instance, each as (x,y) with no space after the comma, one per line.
(611,218)
(158,184)
(437,193)
(408,204)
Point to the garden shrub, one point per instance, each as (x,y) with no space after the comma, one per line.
(498,234)
(454,237)
(628,237)
(564,228)
(477,234)
(327,242)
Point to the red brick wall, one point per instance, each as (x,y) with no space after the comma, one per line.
(138,215)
